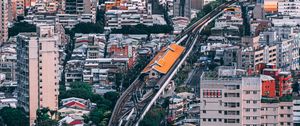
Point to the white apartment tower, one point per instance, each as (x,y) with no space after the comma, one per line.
(3,20)
(37,66)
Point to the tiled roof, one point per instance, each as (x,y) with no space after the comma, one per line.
(75,104)
(164,60)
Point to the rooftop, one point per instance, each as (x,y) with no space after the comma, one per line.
(165,59)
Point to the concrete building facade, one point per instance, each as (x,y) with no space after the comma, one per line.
(289,7)
(182,8)
(3,21)
(37,65)
(229,97)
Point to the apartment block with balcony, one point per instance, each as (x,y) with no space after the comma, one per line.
(100,70)
(289,7)
(37,68)
(231,97)
(118,18)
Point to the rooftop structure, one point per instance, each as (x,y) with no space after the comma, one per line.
(164,60)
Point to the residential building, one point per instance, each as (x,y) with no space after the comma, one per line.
(118,18)
(81,6)
(285,20)
(268,86)
(179,24)
(182,109)
(289,7)
(66,20)
(8,65)
(296,111)
(3,21)
(252,57)
(287,43)
(182,8)
(280,113)
(227,101)
(72,121)
(37,66)
(95,44)
(283,80)
(230,97)
(98,71)
(73,71)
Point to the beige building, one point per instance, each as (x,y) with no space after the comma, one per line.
(3,20)
(250,57)
(231,98)
(37,65)
(280,114)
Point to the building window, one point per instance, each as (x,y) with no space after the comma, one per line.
(209,120)
(247,92)
(254,110)
(288,123)
(204,120)
(289,107)
(254,118)
(204,111)
(212,93)
(281,107)
(220,111)
(248,101)
(281,115)
(254,102)
(215,120)
(220,120)
(247,117)
(247,110)
(288,115)
(254,92)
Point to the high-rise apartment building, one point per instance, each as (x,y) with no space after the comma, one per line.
(229,97)
(182,8)
(37,66)
(3,20)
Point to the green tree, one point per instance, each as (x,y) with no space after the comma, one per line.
(100,116)
(143,29)
(43,117)
(112,97)
(79,90)
(14,117)
(21,27)
(153,117)
(295,87)
(87,28)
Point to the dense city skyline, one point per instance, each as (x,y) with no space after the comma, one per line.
(149,63)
